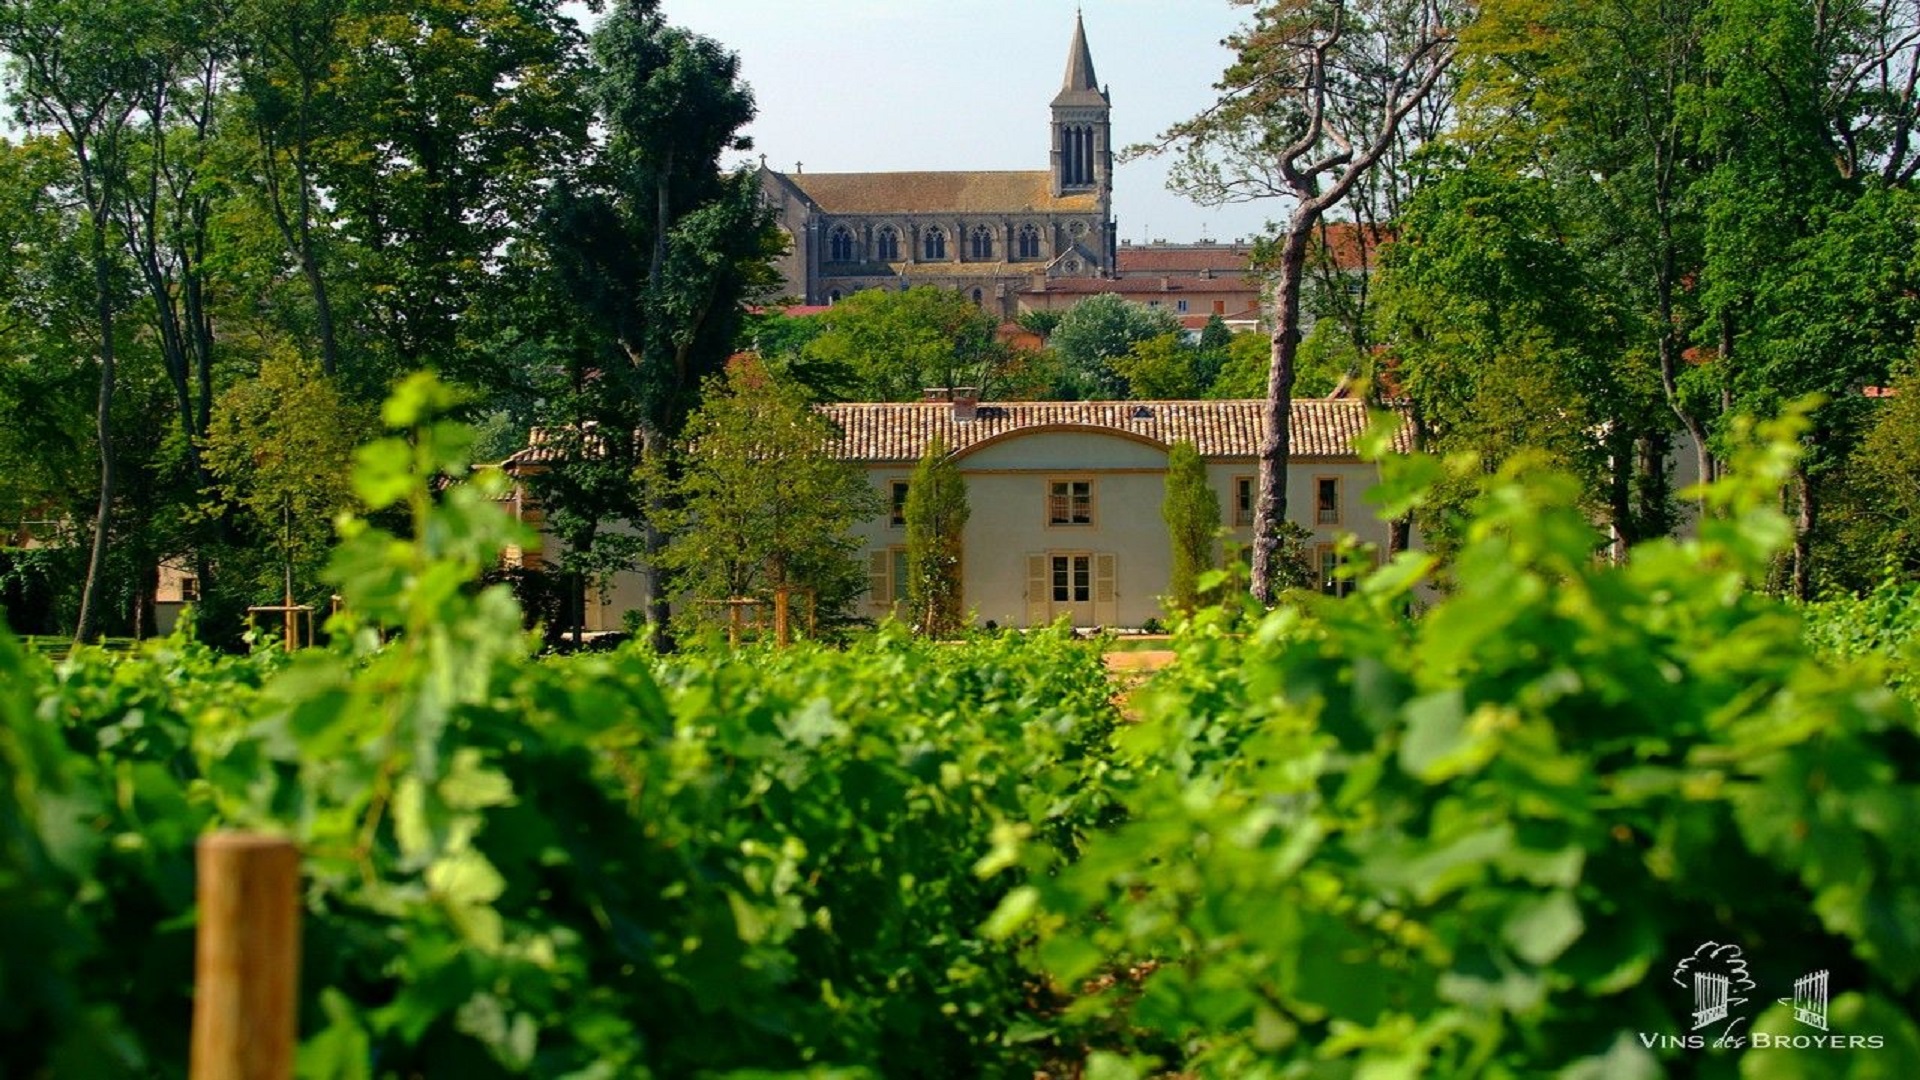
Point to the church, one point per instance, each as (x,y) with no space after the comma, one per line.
(990,235)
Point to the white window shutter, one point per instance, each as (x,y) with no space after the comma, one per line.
(1038,602)
(879,581)
(1106,603)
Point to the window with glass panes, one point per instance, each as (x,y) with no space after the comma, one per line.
(1070,502)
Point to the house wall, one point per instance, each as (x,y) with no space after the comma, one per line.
(1008,487)
(605,606)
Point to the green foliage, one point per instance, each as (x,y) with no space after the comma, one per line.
(1475,843)
(1872,528)
(761,505)
(936,514)
(1879,631)
(1093,334)
(1506,344)
(280,450)
(1324,357)
(609,865)
(887,345)
(1160,368)
(1471,842)
(1191,509)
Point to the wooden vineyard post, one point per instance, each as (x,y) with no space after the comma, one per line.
(247,958)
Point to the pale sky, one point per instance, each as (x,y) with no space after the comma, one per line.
(884,85)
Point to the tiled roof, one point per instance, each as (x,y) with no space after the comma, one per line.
(1218,429)
(543,448)
(1182,258)
(1349,242)
(1144,286)
(938,193)
(900,431)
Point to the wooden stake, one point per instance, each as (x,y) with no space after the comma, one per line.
(247,962)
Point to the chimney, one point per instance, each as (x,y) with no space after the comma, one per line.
(966,403)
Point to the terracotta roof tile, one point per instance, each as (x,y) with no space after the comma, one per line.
(1218,429)
(1144,286)
(1354,245)
(1182,259)
(938,193)
(899,431)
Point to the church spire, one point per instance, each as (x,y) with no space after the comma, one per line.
(1082,155)
(1080,86)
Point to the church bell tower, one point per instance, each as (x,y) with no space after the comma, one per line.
(1082,147)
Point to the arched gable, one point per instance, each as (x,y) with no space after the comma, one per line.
(1081,447)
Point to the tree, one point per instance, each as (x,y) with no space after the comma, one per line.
(1506,344)
(166,216)
(1809,263)
(287,54)
(762,509)
(281,451)
(936,514)
(451,121)
(1875,524)
(1192,513)
(1093,334)
(1160,368)
(653,250)
(1040,321)
(1317,94)
(885,345)
(1601,90)
(78,67)
(1323,358)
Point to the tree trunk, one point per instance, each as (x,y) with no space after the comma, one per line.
(1620,466)
(1668,349)
(658,609)
(1803,523)
(1654,496)
(1276,436)
(103,422)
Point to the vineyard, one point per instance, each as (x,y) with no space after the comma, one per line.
(1335,840)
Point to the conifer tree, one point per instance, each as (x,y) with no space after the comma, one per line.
(1192,513)
(936,515)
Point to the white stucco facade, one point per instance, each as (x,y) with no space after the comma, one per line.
(1065,521)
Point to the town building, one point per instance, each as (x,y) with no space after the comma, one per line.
(989,234)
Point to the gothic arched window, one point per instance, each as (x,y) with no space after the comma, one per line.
(1029,242)
(840,245)
(977,297)
(886,244)
(933,243)
(981,243)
